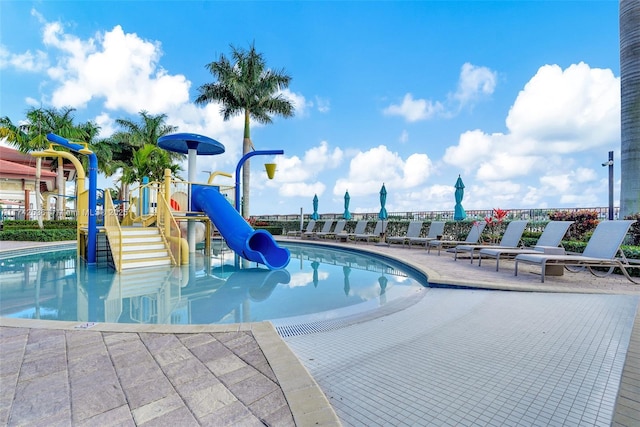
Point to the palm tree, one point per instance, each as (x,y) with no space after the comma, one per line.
(245,85)
(149,161)
(630,107)
(139,140)
(32,135)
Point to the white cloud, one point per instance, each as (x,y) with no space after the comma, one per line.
(27,61)
(474,82)
(300,104)
(404,137)
(569,110)
(368,170)
(556,117)
(117,67)
(323,104)
(473,147)
(301,176)
(301,189)
(414,110)
(107,125)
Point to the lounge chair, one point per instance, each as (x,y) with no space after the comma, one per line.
(510,239)
(413,231)
(551,237)
(325,229)
(360,228)
(472,239)
(338,232)
(298,233)
(381,227)
(436,228)
(601,251)
(308,230)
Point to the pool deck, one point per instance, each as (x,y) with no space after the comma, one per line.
(67,373)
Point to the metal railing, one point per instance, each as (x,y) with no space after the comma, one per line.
(114,232)
(169,229)
(528,214)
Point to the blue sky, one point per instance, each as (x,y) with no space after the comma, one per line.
(522,99)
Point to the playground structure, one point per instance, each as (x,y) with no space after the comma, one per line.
(150,232)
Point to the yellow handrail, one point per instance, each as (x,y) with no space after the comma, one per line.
(169,229)
(114,232)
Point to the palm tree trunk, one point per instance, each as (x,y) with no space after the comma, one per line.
(60,200)
(630,107)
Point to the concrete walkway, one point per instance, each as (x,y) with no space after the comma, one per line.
(552,352)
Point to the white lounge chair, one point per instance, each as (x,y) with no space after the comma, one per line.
(414,229)
(325,229)
(360,228)
(308,230)
(338,232)
(436,228)
(472,239)
(510,239)
(601,251)
(381,227)
(551,237)
(298,233)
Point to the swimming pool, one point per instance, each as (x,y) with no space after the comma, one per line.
(321,284)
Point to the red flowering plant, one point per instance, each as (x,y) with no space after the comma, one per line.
(254,222)
(494,224)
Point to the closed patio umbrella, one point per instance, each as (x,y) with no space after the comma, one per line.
(315,215)
(383,200)
(346,214)
(347,286)
(315,265)
(459,214)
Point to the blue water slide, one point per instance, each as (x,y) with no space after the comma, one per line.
(254,245)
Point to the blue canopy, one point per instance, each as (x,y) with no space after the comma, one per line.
(182,142)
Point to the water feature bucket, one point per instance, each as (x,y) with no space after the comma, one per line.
(271,169)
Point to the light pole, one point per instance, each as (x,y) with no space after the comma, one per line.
(610,164)
(239,167)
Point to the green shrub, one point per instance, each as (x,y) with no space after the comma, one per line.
(33,224)
(634,232)
(275,231)
(585,221)
(27,235)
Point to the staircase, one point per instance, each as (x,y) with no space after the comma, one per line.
(143,247)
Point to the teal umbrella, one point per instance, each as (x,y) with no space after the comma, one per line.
(315,265)
(383,200)
(315,215)
(347,286)
(459,214)
(346,214)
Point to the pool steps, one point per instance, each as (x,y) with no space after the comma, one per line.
(143,247)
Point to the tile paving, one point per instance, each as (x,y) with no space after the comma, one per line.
(452,358)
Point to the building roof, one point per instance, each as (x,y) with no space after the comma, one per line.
(14,156)
(17,166)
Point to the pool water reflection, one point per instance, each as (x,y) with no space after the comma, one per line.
(319,283)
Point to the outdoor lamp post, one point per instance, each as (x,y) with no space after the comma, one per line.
(239,167)
(610,164)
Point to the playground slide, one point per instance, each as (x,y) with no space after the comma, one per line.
(254,245)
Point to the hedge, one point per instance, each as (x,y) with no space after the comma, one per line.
(33,224)
(27,235)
